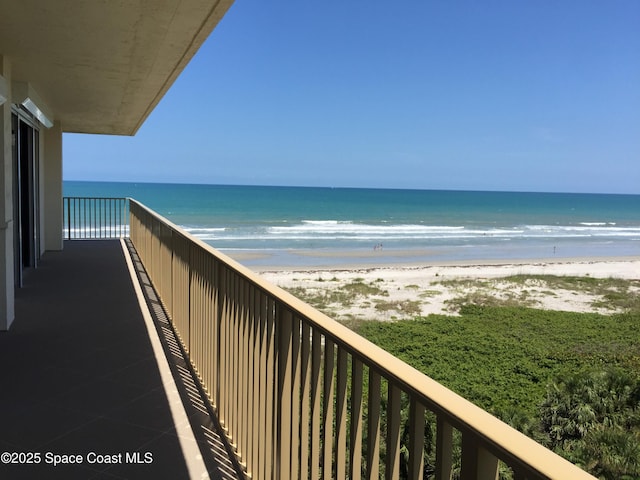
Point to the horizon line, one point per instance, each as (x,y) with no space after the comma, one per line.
(435,189)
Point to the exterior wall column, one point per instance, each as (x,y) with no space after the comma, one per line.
(51,188)
(7,289)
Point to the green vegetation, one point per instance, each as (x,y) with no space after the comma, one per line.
(502,358)
(569,380)
(594,419)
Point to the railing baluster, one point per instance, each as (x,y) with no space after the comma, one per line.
(373,426)
(316,404)
(248,369)
(233,372)
(305,409)
(78,214)
(261,427)
(327,421)
(270,391)
(211,338)
(256,397)
(416,440)
(296,400)
(392,470)
(107,218)
(341,414)
(222,390)
(355,447)
(94,218)
(67,201)
(241,371)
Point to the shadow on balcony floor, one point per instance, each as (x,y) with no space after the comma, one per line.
(78,377)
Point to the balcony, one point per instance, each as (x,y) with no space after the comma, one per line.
(294,393)
(89,376)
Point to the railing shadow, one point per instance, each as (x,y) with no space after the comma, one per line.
(217,454)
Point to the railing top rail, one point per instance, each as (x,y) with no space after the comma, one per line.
(95,198)
(506,442)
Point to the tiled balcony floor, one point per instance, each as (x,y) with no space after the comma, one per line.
(79,376)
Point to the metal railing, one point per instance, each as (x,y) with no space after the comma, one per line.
(95,218)
(301,396)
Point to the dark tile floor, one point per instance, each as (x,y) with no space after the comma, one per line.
(78,376)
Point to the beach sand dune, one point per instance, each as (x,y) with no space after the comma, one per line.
(404,291)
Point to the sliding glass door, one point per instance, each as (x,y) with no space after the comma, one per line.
(25,194)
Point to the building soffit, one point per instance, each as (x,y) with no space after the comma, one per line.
(102,66)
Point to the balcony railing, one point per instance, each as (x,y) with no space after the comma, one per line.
(90,218)
(301,396)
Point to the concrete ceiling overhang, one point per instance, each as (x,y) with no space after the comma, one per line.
(101,66)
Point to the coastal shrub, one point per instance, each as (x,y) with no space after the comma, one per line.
(518,363)
(486,299)
(407,307)
(628,299)
(593,418)
(358,287)
(465,283)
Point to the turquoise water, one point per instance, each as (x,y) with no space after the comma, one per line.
(317,226)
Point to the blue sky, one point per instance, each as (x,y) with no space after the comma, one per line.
(428,94)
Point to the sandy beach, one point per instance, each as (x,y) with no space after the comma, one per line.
(399,291)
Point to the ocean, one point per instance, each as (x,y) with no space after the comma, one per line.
(263,226)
